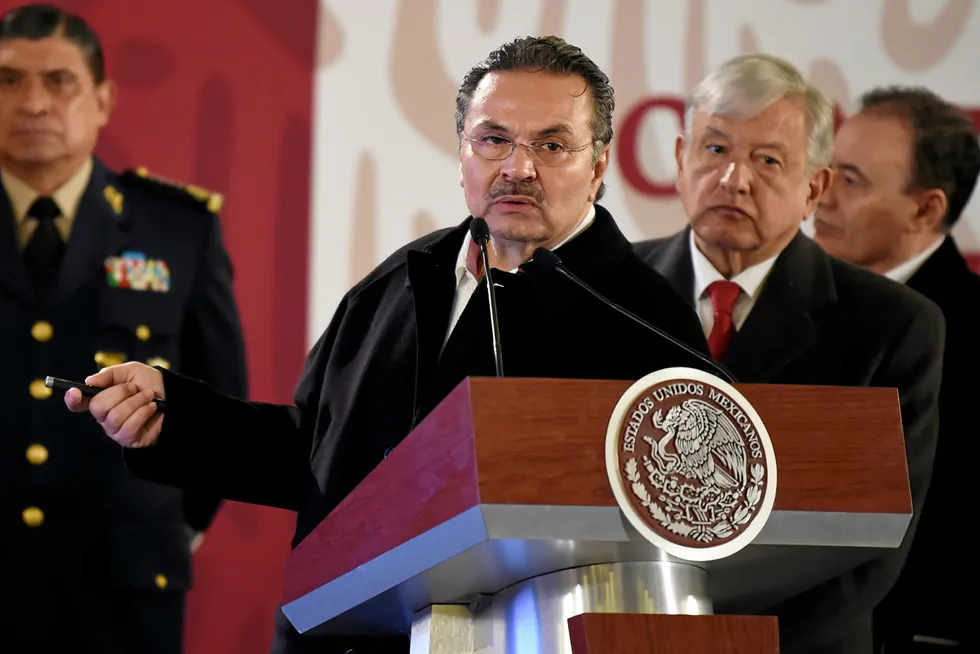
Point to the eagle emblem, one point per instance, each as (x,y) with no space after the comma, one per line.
(691,464)
(708,445)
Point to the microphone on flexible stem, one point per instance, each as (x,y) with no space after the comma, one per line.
(480,232)
(548,260)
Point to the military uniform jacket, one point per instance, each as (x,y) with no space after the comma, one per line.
(821,321)
(377,371)
(145,278)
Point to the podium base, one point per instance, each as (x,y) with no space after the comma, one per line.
(531,616)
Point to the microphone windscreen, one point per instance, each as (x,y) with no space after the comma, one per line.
(543,260)
(479,230)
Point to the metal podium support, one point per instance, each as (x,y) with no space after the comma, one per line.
(530,617)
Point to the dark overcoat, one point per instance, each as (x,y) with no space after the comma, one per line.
(380,368)
(820,321)
(909,611)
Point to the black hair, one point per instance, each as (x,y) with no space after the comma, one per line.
(945,147)
(37,22)
(553,55)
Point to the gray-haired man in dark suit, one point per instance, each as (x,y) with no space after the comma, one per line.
(753,163)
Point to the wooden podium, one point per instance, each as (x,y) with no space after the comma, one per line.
(492,528)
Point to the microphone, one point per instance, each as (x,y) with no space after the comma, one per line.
(480,232)
(548,261)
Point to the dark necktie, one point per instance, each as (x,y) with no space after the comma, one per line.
(44,251)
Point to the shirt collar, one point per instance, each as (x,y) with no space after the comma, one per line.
(67,196)
(749,280)
(469,253)
(903,272)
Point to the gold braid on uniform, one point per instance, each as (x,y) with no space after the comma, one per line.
(202,197)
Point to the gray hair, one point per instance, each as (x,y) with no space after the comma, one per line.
(746,85)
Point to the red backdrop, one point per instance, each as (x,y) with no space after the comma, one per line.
(219,93)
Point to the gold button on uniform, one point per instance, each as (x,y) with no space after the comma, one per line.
(143,333)
(37,454)
(33,516)
(161,582)
(42,331)
(39,391)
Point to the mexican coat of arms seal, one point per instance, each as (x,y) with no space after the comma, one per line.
(691,464)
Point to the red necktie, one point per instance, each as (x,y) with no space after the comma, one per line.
(723,295)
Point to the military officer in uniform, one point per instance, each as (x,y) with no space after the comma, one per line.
(96,268)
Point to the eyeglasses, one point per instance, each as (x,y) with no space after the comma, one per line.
(547,153)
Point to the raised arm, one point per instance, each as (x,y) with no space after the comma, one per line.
(207,441)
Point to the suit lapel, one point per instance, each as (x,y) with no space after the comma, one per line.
(674,262)
(98,232)
(591,256)
(13,274)
(780,328)
(934,278)
(432,283)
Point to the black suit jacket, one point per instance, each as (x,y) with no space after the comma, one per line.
(377,371)
(910,608)
(106,537)
(820,321)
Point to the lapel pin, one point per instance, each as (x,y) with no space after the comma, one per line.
(114,198)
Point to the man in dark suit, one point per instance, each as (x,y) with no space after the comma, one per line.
(96,268)
(752,165)
(534,122)
(905,167)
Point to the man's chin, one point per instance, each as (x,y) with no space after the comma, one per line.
(728,236)
(515,228)
(32,157)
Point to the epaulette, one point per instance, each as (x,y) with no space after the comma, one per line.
(209,199)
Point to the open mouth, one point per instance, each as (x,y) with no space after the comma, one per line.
(515,201)
(515,204)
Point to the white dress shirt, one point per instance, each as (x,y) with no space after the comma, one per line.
(749,280)
(466,282)
(903,272)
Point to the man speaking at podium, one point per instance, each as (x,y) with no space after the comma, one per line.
(534,122)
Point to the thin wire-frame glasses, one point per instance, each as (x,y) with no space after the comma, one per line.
(547,153)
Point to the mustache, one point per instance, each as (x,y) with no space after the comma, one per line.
(527,189)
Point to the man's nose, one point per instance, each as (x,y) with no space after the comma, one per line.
(34,98)
(736,177)
(520,165)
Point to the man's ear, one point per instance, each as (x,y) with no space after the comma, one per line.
(599,172)
(105,98)
(680,150)
(932,207)
(820,181)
